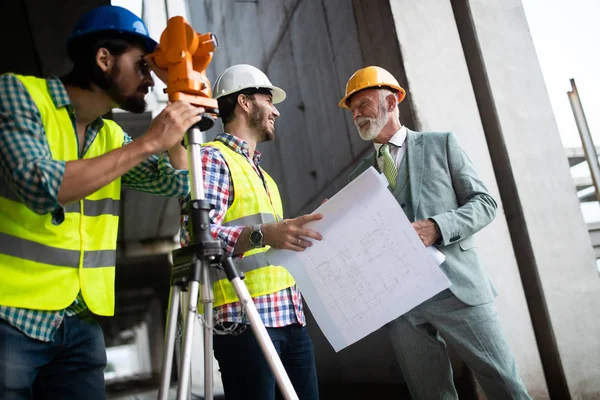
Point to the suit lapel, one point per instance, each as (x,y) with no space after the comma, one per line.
(368,161)
(415,166)
(371,161)
(402,175)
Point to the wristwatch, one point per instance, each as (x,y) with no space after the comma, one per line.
(256,236)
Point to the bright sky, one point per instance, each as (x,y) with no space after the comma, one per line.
(134,6)
(567,40)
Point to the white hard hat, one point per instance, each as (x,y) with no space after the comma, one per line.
(244,76)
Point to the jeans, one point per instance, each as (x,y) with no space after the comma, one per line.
(246,374)
(71,367)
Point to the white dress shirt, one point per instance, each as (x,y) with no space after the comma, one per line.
(397,148)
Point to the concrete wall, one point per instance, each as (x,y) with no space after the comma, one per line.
(550,238)
(309,48)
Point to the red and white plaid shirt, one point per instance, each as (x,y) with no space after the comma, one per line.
(277,309)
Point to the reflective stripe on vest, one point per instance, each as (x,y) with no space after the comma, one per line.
(247,264)
(251,206)
(91,208)
(32,251)
(44,266)
(256,219)
(95,208)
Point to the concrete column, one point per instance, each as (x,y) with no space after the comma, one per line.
(550,239)
(420,44)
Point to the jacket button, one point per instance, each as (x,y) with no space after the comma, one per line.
(403,205)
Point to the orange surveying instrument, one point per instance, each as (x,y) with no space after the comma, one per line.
(186,55)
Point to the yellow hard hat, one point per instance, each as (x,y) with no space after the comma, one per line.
(371,77)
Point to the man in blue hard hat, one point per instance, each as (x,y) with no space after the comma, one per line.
(61,170)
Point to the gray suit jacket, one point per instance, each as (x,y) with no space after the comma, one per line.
(437,180)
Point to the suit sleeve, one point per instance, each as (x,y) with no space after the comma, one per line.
(476,207)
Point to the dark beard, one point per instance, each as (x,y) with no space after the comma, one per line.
(110,84)
(257,119)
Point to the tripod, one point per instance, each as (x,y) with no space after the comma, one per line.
(191,272)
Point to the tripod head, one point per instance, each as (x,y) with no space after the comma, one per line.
(186,55)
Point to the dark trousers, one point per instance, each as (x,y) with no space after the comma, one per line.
(246,374)
(71,367)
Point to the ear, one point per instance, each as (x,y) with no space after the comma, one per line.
(104,59)
(391,101)
(244,102)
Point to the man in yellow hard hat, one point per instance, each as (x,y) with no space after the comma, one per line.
(436,185)
(61,170)
(247,215)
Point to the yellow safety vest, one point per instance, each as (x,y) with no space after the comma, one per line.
(44,266)
(251,206)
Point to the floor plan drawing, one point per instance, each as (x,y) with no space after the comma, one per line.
(370,267)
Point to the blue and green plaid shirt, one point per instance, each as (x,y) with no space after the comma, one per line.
(27,166)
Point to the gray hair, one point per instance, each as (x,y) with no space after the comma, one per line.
(383,93)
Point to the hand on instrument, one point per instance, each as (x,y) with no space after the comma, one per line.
(161,73)
(168,128)
(290,234)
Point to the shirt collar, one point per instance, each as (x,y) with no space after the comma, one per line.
(60,98)
(397,140)
(238,145)
(58,93)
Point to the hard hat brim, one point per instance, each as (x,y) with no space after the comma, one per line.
(277,93)
(150,43)
(401,93)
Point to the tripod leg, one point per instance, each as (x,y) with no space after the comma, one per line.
(165,374)
(207,300)
(264,340)
(184,305)
(186,356)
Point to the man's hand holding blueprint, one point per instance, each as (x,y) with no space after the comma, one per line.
(353,282)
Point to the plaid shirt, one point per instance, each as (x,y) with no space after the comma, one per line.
(276,309)
(27,166)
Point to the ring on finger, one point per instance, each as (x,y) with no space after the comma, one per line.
(299,241)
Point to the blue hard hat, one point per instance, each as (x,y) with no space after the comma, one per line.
(112,19)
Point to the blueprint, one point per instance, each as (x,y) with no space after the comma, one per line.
(370,267)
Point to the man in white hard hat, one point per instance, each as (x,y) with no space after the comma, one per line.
(438,189)
(247,217)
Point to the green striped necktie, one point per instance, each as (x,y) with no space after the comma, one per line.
(389,166)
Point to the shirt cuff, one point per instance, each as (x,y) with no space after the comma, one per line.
(228,234)
(58,216)
(180,176)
